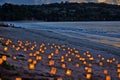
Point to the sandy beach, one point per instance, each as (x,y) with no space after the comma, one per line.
(55,57)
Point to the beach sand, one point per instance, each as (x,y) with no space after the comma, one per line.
(80,57)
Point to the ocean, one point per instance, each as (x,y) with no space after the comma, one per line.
(101,32)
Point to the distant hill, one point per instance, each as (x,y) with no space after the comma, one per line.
(61,12)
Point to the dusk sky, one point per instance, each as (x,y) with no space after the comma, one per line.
(37,2)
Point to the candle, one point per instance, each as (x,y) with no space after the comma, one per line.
(4,58)
(5,48)
(31,66)
(105,71)
(108,77)
(63,65)
(88,76)
(53,71)
(1,61)
(18,78)
(68,72)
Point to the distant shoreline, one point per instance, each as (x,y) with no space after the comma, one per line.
(60,12)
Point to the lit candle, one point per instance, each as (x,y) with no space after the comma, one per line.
(59,79)
(88,76)
(4,58)
(51,62)
(18,78)
(53,71)
(5,48)
(105,72)
(108,77)
(119,75)
(68,72)
(77,65)
(63,65)
(1,61)
(31,66)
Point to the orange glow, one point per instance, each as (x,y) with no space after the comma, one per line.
(88,76)
(18,78)
(119,75)
(89,70)
(68,72)
(29,60)
(101,0)
(51,62)
(118,65)
(31,66)
(91,58)
(34,62)
(108,77)
(4,58)
(105,71)
(1,61)
(59,79)
(5,48)
(77,65)
(30,54)
(49,56)
(53,71)
(14,57)
(13,46)
(56,51)
(118,70)
(69,59)
(63,65)
(101,63)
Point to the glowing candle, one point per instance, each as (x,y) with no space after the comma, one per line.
(105,72)
(119,75)
(88,76)
(108,77)
(91,58)
(89,70)
(13,46)
(34,62)
(31,66)
(59,79)
(77,65)
(30,54)
(69,59)
(76,51)
(56,51)
(53,71)
(18,78)
(99,55)
(29,60)
(118,70)
(49,56)
(39,57)
(86,68)
(5,48)
(68,72)
(118,65)
(14,58)
(4,58)
(1,61)
(101,63)
(63,65)
(62,60)
(51,62)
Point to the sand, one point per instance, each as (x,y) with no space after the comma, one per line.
(19,67)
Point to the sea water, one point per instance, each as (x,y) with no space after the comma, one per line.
(102,32)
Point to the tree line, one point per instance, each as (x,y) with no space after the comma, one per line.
(60,12)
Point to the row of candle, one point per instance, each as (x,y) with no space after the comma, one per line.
(86,60)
